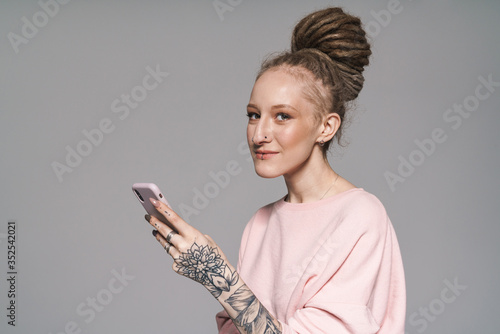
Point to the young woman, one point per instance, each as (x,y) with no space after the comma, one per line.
(324,258)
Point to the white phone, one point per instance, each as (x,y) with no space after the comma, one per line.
(145,191)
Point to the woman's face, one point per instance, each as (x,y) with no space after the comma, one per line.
(282,128)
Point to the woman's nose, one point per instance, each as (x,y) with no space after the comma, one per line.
(262,133)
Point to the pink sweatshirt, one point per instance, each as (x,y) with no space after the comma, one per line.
(332,266)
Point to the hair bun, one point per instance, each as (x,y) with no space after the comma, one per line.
(340,36)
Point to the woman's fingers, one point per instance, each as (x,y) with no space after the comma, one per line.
(156,223)
(164,230)
(168,247)
(177,222)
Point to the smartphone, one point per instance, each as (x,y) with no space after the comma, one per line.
(145,191)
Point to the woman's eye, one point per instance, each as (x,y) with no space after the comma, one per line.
(282,117)
(252,115)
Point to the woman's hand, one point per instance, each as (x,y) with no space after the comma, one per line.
(195,254)
(198,257)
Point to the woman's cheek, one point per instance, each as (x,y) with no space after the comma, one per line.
(290,137)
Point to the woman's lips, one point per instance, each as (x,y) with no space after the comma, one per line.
(265,155)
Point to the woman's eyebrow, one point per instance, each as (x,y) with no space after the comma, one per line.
(277,106)
(283,106)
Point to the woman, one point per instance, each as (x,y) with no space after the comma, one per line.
(324,258)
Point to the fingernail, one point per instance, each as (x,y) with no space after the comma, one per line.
(147,217)
(155,203)
(155,232)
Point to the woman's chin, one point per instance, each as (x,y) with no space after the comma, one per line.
(267,173)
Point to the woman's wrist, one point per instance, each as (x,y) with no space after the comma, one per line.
(246,311)
(221,279)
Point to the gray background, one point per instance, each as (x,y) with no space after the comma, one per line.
(72,234)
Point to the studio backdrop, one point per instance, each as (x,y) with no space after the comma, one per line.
(98,95)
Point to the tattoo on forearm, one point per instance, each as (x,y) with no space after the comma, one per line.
(252,316)
(204,264)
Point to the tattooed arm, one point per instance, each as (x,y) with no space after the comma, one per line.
(248,314)
(207,266)
(198,257)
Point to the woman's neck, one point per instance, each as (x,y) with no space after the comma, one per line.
(312,182)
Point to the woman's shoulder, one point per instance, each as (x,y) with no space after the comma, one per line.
(364,209)
(266,210)
(357,196)
(361,199)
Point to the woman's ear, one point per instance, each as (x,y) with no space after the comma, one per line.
(330,124)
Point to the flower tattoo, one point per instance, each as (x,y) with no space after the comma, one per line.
(205,265)
(253,317)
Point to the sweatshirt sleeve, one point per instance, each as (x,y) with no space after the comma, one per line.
(224,323)
(356,290)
